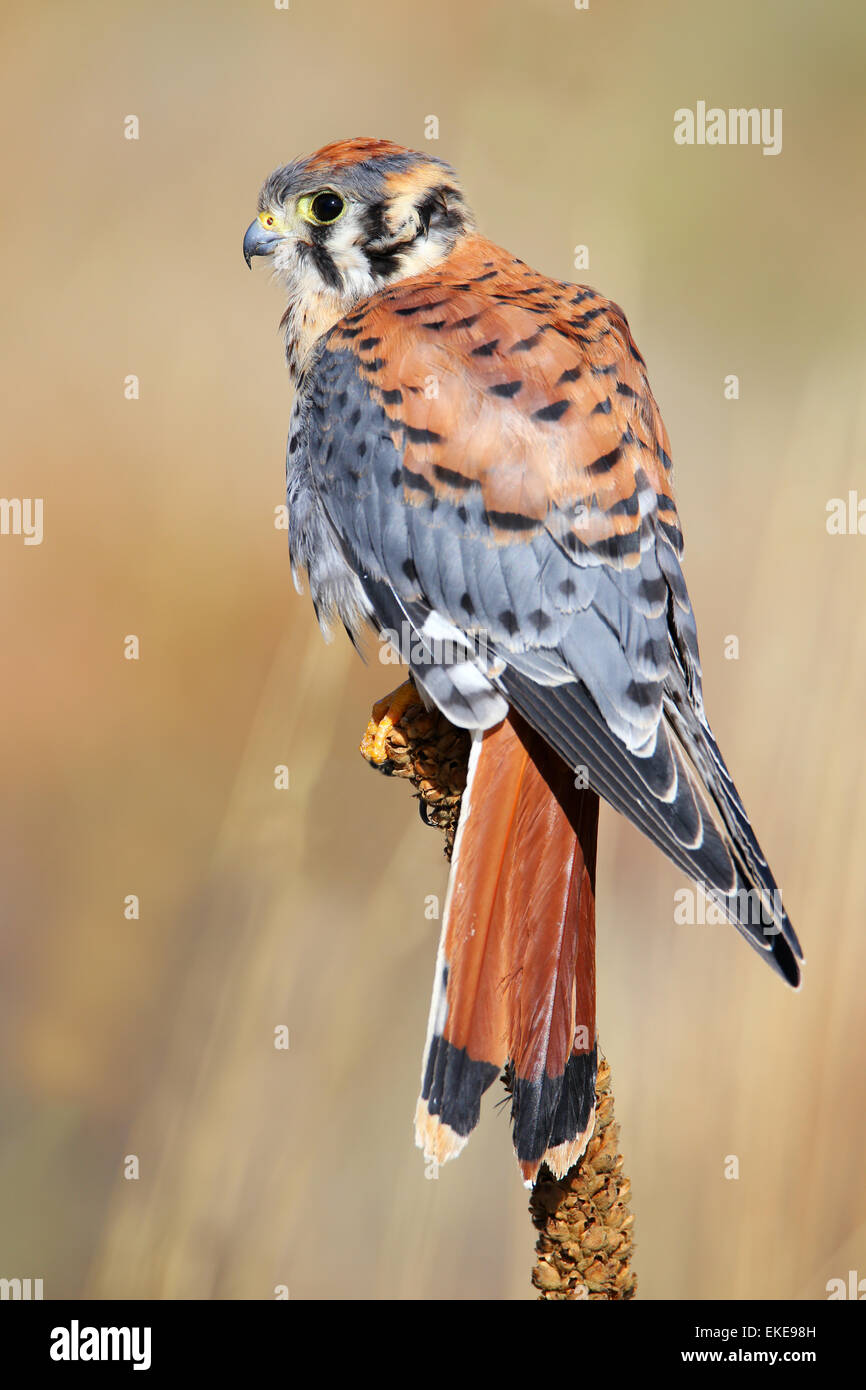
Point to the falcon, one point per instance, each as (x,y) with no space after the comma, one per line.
(478,471)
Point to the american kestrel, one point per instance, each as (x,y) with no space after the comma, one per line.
(477,469)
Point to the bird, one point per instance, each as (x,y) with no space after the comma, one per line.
(478,472)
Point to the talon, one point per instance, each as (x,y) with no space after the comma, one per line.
(386,715)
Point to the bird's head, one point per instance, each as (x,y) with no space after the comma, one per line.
(345,222)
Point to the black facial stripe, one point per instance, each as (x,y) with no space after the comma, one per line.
(384,263)
(373,222)
(433,211)
(442,207)
(318,253)
(427,209)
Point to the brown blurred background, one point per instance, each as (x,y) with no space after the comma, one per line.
(306,907)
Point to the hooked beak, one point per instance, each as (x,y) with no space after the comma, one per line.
(262,237)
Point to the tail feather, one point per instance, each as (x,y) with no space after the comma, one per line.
(515,977)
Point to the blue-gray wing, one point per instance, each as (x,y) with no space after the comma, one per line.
(499,501)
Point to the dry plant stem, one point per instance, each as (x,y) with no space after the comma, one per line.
(585,1244)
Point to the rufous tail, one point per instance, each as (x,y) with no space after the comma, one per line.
(514,991)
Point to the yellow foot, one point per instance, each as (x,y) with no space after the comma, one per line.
(386,715)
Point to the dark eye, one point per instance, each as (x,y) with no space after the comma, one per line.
(327,207)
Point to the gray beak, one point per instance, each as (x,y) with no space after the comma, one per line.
(259,241)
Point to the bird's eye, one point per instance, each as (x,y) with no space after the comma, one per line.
(321,208)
